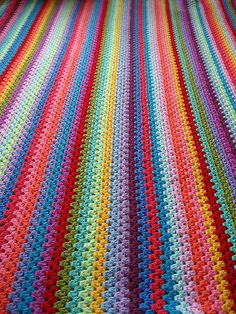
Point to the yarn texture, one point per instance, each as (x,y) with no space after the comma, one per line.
(118,156)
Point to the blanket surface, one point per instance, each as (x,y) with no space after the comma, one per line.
(118,156)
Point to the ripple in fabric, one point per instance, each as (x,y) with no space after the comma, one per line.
(118,156)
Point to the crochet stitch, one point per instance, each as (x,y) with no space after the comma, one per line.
(118,156)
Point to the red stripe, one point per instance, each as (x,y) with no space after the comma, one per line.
(152,205)
(134,270)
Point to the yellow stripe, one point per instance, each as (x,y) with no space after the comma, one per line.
(102,228)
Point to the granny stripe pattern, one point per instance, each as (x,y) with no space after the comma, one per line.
(118,156)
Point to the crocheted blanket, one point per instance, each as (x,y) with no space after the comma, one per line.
(118,156)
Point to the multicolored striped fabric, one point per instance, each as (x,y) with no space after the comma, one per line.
(118,156)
